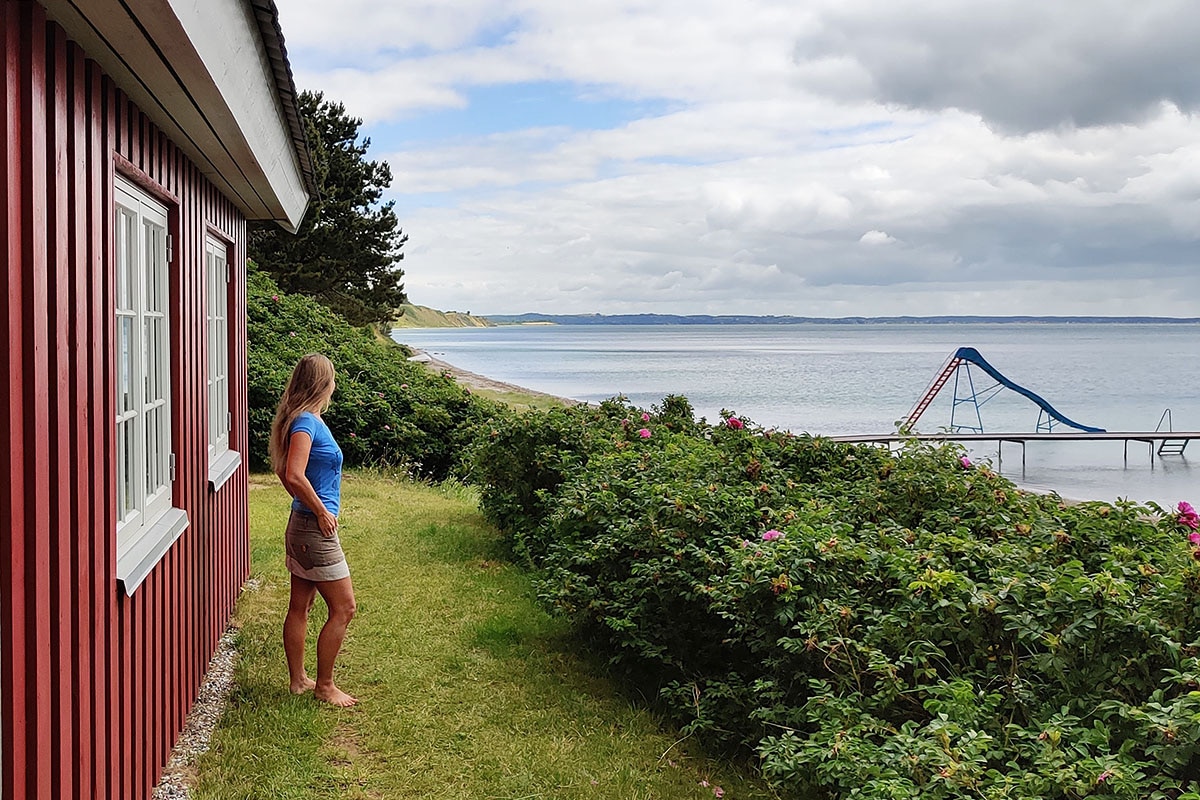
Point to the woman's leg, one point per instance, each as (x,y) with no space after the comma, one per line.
(295,628)
(339,596)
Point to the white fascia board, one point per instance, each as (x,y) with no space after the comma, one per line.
(199,71)
(225,35)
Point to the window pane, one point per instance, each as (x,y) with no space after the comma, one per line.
(154,387)
(156,473)
(126,491)
(148,248)
(124,364)
(121,230)
(151,245)
(148,393)
(214,343)
(149,475)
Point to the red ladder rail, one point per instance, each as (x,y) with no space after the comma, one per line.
(936,386)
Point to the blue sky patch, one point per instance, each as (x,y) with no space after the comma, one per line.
(514,107)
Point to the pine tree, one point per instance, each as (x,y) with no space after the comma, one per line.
(347,251)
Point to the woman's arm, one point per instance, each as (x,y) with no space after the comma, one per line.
(298,485)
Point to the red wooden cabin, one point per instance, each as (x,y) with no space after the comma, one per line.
(140,136)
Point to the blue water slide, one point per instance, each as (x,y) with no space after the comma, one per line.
(972,355)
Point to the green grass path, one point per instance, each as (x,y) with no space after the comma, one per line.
(467,688)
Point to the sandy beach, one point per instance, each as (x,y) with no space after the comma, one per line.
(475,381)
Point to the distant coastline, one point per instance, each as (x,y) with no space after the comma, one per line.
(748,319)
(413,316)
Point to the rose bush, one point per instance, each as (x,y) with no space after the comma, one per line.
(869,624)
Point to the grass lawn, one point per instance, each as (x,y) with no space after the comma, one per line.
(467,688)
(521,401)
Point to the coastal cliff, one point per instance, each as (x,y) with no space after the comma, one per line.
(414,316)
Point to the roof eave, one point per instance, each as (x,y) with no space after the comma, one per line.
(214,77)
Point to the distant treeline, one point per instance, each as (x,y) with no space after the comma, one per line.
(747,319)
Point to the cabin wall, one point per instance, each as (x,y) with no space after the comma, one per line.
(95,684)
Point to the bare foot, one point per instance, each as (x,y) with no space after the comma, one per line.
(334,696)
(305,685)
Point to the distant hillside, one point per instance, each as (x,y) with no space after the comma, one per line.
(425,317)
(748,319)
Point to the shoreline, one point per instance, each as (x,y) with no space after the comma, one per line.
(475,381)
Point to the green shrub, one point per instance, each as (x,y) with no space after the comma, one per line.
(997,644)
(386,410)
(522,460)
(871,624)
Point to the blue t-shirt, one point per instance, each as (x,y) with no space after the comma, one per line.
(324,470)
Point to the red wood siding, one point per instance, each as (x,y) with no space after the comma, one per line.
(94,684)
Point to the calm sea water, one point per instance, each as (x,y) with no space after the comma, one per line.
(848,379)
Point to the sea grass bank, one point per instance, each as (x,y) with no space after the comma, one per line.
(140,136)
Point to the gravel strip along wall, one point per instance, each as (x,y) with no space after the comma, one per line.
(197,732)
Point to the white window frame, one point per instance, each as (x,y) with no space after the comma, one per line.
(222,462)
(147,524)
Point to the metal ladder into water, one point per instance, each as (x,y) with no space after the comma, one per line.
(1169,447)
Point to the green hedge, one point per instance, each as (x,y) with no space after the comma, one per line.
(386,410)
(869,624)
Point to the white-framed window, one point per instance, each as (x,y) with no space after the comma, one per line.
(222,462)
(146,521)
(216,266)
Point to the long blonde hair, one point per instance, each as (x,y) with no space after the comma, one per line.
(308,390)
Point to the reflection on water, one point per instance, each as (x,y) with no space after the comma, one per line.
(1096,470)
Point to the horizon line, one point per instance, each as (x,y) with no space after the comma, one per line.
(917,317)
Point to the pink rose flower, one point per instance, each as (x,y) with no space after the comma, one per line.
(275,297)
(1185,507)
(353,436)
(771,535)
(404,386)
(966,462)
(735,423)
(645,417)
(644,433)
(387,427)
(718,791)
(1194,537)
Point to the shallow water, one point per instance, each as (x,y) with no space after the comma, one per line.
(854,379)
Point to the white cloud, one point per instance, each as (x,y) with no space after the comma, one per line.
(876,238)
(1023,65)
(815,158)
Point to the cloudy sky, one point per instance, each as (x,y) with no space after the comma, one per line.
(809,157)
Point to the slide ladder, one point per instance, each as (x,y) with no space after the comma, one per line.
(935,386)
(962,359)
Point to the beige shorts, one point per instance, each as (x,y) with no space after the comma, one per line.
(310,554)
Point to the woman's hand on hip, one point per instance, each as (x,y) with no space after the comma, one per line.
(328,523)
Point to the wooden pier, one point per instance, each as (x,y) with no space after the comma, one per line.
(1170,443)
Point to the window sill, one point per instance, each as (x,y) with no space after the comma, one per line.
(136,559)
(222,468)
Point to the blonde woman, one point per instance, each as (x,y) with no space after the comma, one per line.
(308,461)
